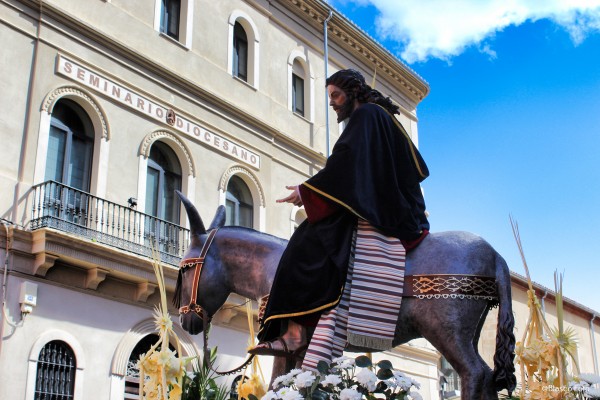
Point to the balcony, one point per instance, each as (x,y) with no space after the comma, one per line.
(66,209)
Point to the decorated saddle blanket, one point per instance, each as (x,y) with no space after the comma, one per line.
(367,313)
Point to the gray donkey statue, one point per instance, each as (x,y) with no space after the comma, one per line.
(223,260)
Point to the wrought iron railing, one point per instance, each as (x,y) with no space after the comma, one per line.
(67,209)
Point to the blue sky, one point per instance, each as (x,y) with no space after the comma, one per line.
(511,126)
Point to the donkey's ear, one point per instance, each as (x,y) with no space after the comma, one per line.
(219,219)
(196,224)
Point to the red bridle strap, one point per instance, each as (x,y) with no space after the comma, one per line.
(198,263)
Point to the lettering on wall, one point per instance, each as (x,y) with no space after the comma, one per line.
(129,98)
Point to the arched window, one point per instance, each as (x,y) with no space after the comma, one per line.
(243,48)
(239,203)
(162,179)
(55,377)
(132,377)
(70,146)
(233,393)
(240,52)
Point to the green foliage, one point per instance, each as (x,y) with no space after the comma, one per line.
(363,362)
(201,385)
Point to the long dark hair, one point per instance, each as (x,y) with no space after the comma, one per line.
(354,85)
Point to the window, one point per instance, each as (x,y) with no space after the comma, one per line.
(162,179)
(233,393)
(69,162)
(449,381)
(170,18)
(300,85)
(70,146)
(243,48)
(55,377)
(175,19)
(297,94)
(240,52)
(132,376)
(239,203)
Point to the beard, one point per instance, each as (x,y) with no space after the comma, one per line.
(345,111)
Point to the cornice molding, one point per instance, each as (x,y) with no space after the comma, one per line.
(359,43)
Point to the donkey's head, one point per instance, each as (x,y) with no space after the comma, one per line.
(201,285)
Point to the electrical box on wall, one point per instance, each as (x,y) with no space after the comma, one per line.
(28,296)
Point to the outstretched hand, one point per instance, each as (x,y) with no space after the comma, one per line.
(293,198)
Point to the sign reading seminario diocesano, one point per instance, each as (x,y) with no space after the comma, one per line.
(88,78)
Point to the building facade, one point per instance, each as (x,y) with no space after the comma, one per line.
(108,106)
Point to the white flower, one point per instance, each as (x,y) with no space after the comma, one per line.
(398,374)
(270,395)
(405,383)
(590,378)
(415,383)
(415,396)
(578,386)
(283,380)
(593,393)
(289,394)
(332,379)
(340,360)
(367,378)
(343,362)
(350,394)
(295,372)
(304,379)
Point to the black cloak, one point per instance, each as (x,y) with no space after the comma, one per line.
(373,173)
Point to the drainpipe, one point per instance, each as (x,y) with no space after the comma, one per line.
(326,61)
(594,354)
(4,279)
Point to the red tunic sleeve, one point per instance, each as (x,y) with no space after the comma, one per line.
(317,207)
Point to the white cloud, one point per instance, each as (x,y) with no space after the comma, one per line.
(444,28)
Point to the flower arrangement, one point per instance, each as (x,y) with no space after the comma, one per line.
(161,370)
(345,379)
(544,353)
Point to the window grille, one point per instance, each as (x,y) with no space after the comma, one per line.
(55,379)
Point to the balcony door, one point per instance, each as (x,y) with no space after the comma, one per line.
(163,177)
(69,161)
(239,204)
